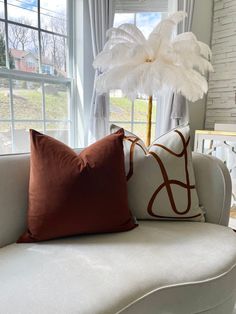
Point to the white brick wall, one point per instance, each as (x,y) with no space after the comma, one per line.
(221,99)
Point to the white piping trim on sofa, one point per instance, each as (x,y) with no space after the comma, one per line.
(180,285)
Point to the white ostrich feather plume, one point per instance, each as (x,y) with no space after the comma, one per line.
(137,65)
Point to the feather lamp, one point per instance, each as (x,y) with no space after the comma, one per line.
(137,65)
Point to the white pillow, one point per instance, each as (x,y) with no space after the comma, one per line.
(160,179)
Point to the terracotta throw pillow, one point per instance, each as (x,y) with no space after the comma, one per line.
(161,182)
(73,194)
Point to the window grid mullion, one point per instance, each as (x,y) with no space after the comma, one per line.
(32,27)
(36,120)
(6,35)
(44,108)
(12,115)
(71,66)
(33,77)
(128,122)
(132,112)
(11,75)
(132,116)
(39,39)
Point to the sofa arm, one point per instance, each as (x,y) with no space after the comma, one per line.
(213,183)
(14,180)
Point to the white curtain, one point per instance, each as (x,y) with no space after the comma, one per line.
(173,108)
(101,14)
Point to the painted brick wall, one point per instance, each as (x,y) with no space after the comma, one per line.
(221,99)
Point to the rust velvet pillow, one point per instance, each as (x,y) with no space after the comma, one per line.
(72,194)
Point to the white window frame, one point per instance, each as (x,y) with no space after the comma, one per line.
(69,81)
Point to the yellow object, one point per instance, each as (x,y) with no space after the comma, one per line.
(211,132)
(149,121)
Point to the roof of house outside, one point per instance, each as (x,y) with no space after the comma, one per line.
(20,54)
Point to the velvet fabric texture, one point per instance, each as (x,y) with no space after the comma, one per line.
(72,194)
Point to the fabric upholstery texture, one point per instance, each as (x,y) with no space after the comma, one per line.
(161,182)
(73,194)
(160,267)
(213,185)
(177,267)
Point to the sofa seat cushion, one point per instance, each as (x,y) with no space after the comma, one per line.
(106,273)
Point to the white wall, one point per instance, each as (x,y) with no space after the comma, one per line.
(221,101)
(202,28)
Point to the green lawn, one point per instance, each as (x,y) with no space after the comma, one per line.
(28,106)
(121,107)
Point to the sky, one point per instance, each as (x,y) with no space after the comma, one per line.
(25,11)
(145,21)
(28,10)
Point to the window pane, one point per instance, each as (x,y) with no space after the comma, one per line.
(120,107)
(154,111)
(24,47)
(27,100)
(53,55)
(141,131)
(146,21)
(21,134)
(56,102)
(125,126)
(2,14)
(5,138)
(141,110)
(53,16)
(5,112)
(2,45)
(59,130)
(121,18)
(153,134)
(23,11)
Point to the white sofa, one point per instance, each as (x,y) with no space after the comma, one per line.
(159,267)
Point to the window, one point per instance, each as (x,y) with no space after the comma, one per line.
(132,115)
(35,72)
(46,69)
(31,63)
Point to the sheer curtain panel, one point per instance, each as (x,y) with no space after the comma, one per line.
(101,13)
(173,108)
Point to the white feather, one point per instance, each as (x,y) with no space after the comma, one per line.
(205,50)
(121,34)
(134,31)
(190,39)
(177,16)
(112,79)
(165,28)
(136,65)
